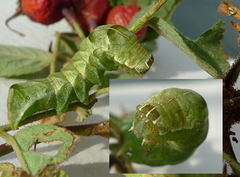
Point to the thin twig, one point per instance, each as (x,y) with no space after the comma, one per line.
(232,74)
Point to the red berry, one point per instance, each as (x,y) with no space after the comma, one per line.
(122,15)
(44,11)
(90,13)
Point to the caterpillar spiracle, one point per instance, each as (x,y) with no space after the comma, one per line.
(105,49)
(175,122)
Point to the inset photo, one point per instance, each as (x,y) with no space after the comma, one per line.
(166,126)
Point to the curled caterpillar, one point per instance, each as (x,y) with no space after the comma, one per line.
(175,121)
(106,48)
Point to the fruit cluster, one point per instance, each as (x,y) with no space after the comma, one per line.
(87,13)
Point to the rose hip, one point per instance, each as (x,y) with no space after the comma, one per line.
(90,13)
(122,15)
(44,11)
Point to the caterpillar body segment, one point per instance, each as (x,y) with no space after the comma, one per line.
(174,115)
(105,49)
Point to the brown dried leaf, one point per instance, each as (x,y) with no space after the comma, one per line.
(229,9)
(54,120)
(7,170)
(101,129)
(237,28)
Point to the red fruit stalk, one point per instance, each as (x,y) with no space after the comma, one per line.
(122,15)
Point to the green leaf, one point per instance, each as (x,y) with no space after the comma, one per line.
(32,162)
(143,3)
(150,155)
(7,170)
(206,51)
(15,61)
(115,129)
(164,12)
(68,44)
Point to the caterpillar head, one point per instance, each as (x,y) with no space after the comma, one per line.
(144,125)
(171,115)
(124,48)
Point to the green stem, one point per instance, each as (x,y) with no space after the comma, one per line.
(141,21)
(129,167)
(10,140)
(98,93)
(78,30)
(55,51)
(63,57)
(70,18)
(234,164)
(5,128)
(100,129)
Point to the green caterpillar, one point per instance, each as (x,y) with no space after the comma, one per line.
(106,48)
(175,122)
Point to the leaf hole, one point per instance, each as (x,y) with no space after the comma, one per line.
(48,148)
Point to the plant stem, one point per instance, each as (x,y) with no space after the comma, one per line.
(63,57)
(10,140)
(234,164)
(231,76)
(55,51)
(5,128)
(129,168)
(141,21)
(101,129)
(98,93)
(73,22)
